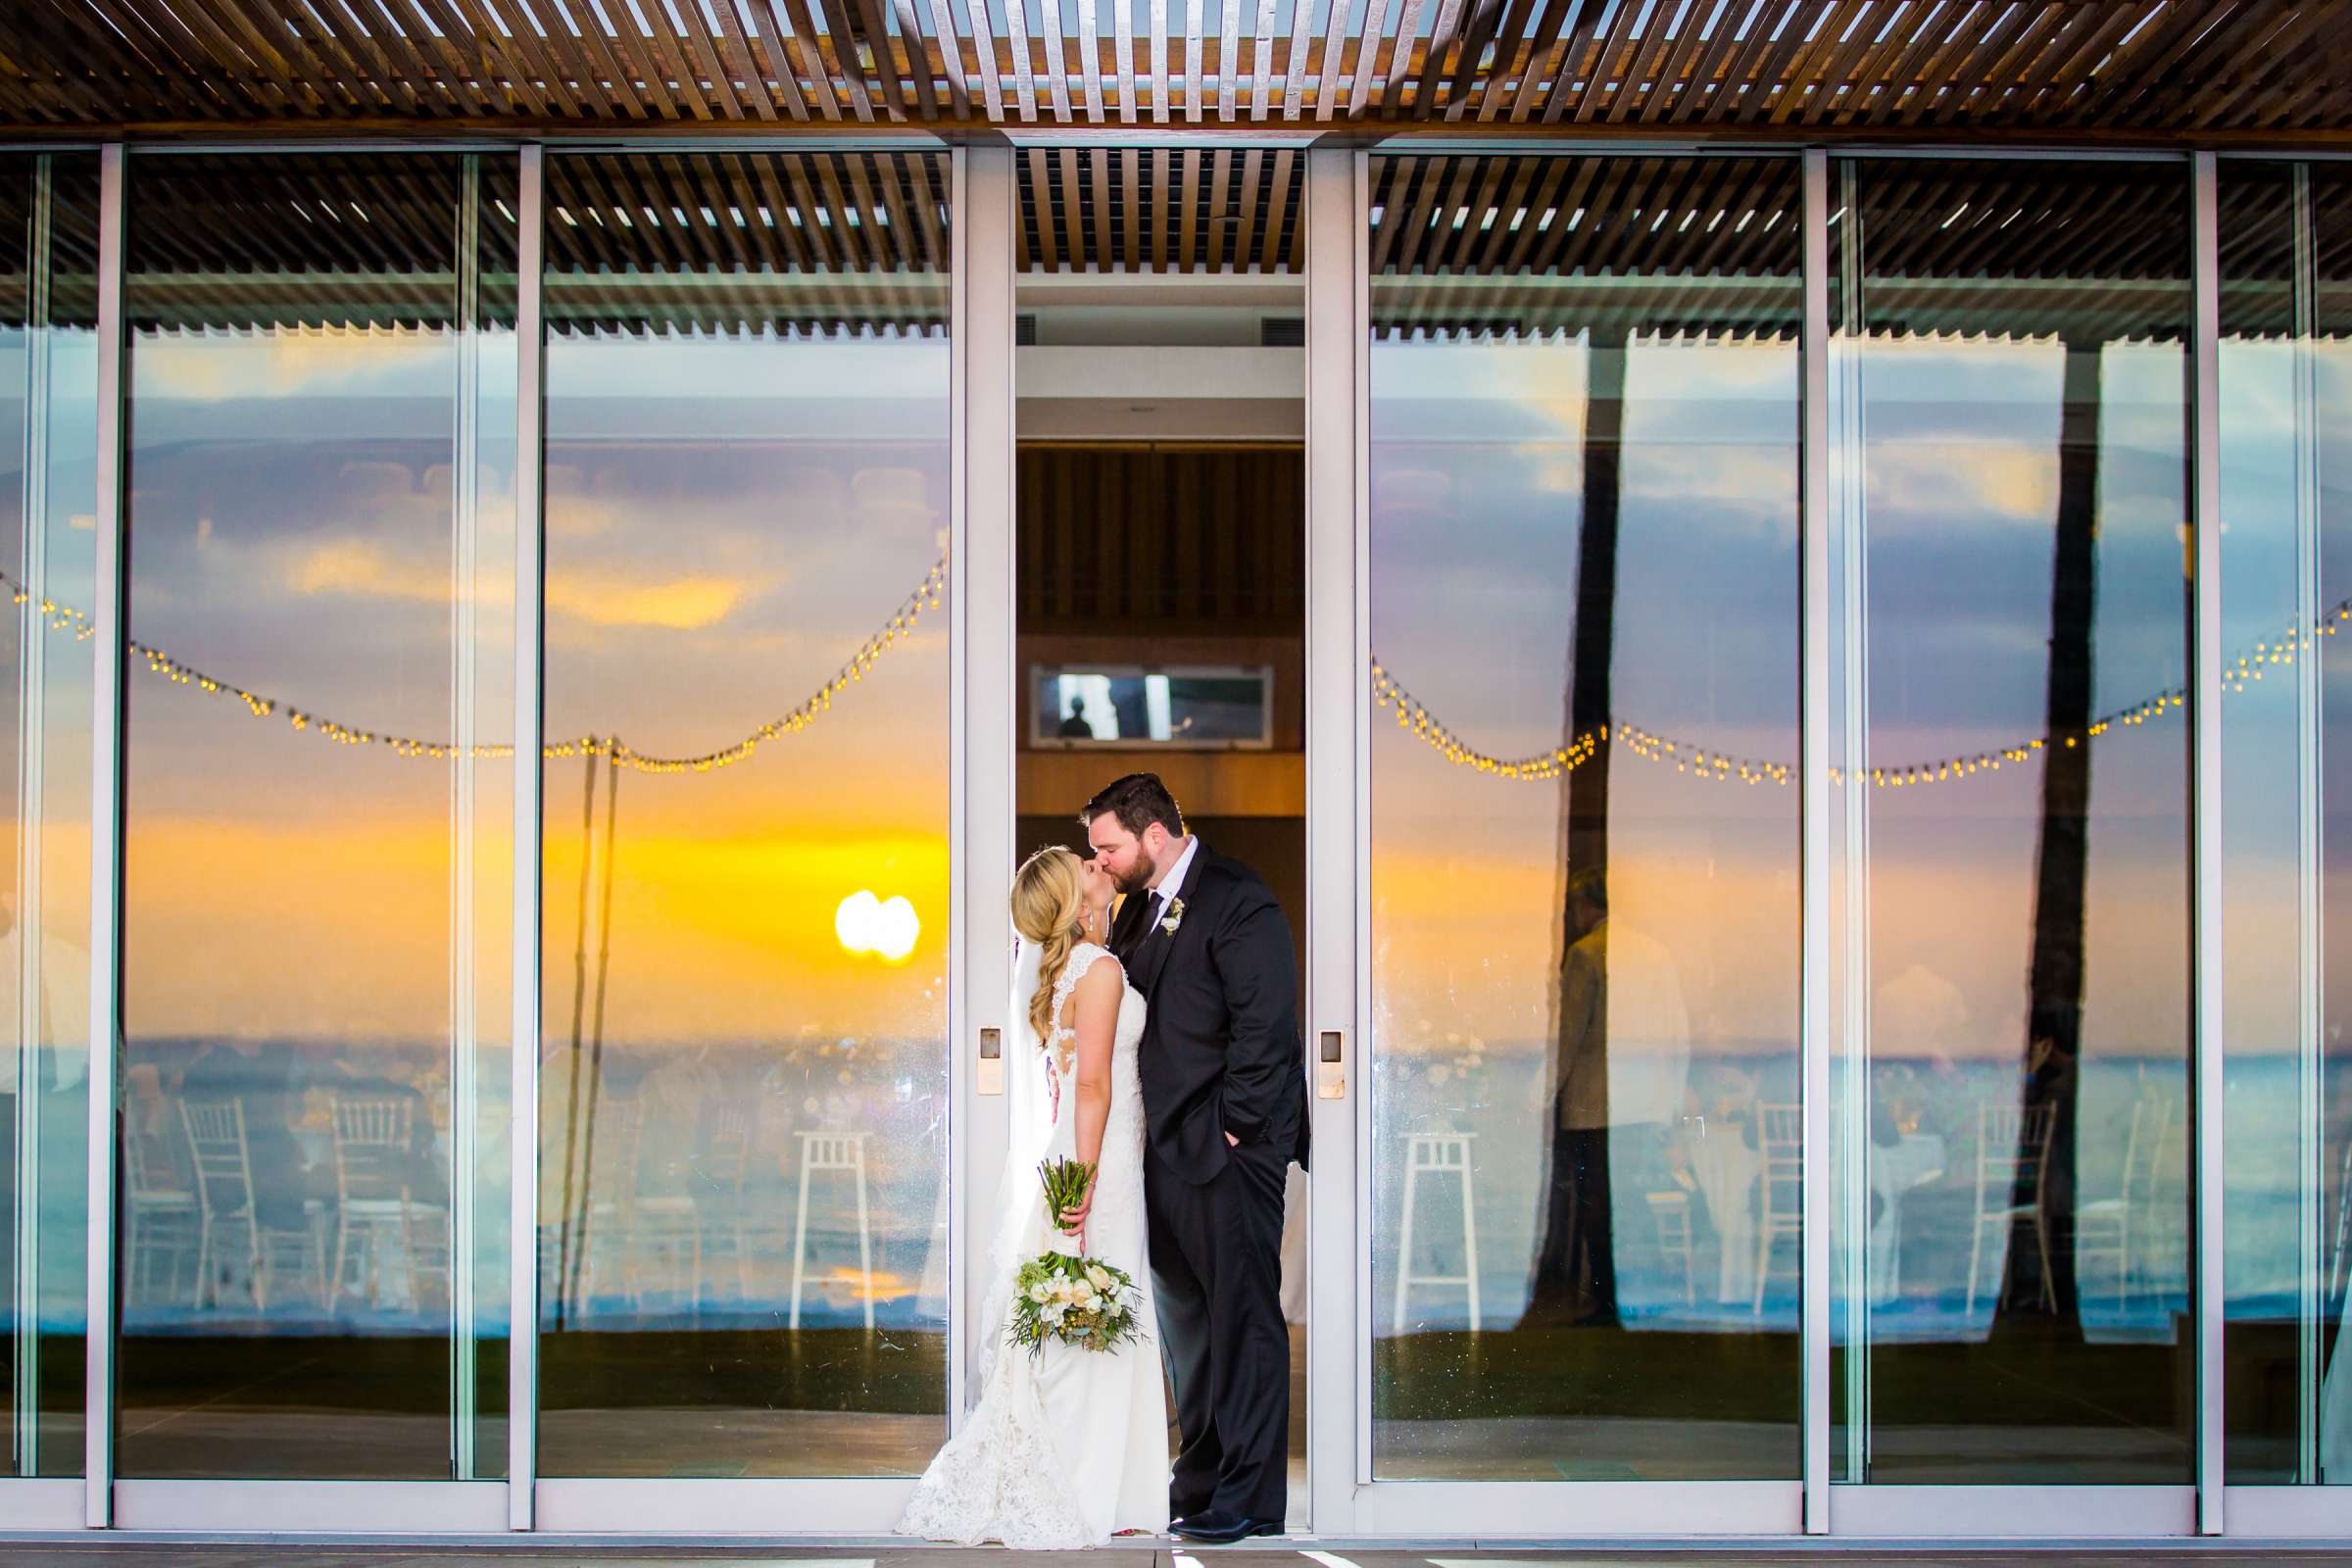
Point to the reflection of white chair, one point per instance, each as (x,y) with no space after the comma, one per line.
(1671,1211)
(164,1220)
(375,1208)
(2164,1232)
(224,1200)
(2013,1155)
(2105,1230)
(1780,1191)
(606,1217)
(733,1215)
(832,1150)
(1439,1153)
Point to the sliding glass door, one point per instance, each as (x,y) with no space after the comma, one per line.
(743,1235)
(315,931)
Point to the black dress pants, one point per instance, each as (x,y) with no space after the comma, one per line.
(1216,1268)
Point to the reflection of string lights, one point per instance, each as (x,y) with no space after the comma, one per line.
(900,627)
(1718,767)
(1689,759)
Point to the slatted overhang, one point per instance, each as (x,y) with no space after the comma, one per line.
(1749,68)
(1513,244)
(1525,246)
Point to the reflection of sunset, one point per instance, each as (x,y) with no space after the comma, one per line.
(886,928)
(732,937)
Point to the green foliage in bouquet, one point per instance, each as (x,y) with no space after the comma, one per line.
(1065,1181)
(1078,1300)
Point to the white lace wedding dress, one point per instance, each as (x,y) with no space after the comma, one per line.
(1070,1448)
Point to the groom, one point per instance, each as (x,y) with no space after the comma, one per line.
(1225,1109)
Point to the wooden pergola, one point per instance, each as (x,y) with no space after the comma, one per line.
(1222,101)
(2213,72)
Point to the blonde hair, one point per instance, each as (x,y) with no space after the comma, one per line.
(1048,910)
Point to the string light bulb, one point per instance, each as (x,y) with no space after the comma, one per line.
(926,596)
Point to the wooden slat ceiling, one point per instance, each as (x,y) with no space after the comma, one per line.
(1208,538)
(1479,244)
(709,241)
(846,216)
(1162,208)
(1523,246)
(1757,68)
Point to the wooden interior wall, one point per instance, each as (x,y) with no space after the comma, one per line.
(1167,554)
(1182,539)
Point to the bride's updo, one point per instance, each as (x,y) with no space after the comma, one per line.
(1048,910)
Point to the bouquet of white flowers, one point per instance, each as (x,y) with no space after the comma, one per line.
(1058,1296)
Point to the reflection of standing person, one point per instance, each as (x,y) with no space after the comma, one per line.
(1075,725)
(1622,1061)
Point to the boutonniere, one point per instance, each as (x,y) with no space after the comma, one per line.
(1174,917)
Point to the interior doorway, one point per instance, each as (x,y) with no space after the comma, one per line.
(1160,588)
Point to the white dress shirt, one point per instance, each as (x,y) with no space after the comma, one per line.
(1168,884)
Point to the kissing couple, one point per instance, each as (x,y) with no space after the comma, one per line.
(1162,1049)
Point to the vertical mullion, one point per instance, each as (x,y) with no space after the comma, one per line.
(522,1295)
(105,854)
(1360,669)
(1814,895)
(463,1044)
(2310,967)
(1335,717)
(981,619)
(31,771)
(2205,839)
(961,1074)
(1852,889)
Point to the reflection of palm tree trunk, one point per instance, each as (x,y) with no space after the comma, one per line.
(2054,997)
(565,1239)
(580,1126)
(1576,1266)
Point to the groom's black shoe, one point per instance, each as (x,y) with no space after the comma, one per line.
(1216,1527)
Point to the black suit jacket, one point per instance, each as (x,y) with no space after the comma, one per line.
(1221,1050)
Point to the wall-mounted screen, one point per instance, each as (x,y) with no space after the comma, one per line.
(1221,708)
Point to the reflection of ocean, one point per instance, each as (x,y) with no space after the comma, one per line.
(1667,1280)
(896,1090)
(687,1222)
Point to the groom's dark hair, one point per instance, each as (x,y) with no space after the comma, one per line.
(1138,801)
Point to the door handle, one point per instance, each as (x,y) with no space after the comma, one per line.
(990,1080)
(1331,1066)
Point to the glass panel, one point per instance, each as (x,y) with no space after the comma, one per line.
(316,930)
(2008,379)
(743,1159)
(2286,430)
(49,429)
(1586,1147)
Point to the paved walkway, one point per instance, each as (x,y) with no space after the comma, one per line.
(160,1555)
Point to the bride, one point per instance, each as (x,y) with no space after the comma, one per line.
(1068,1449)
